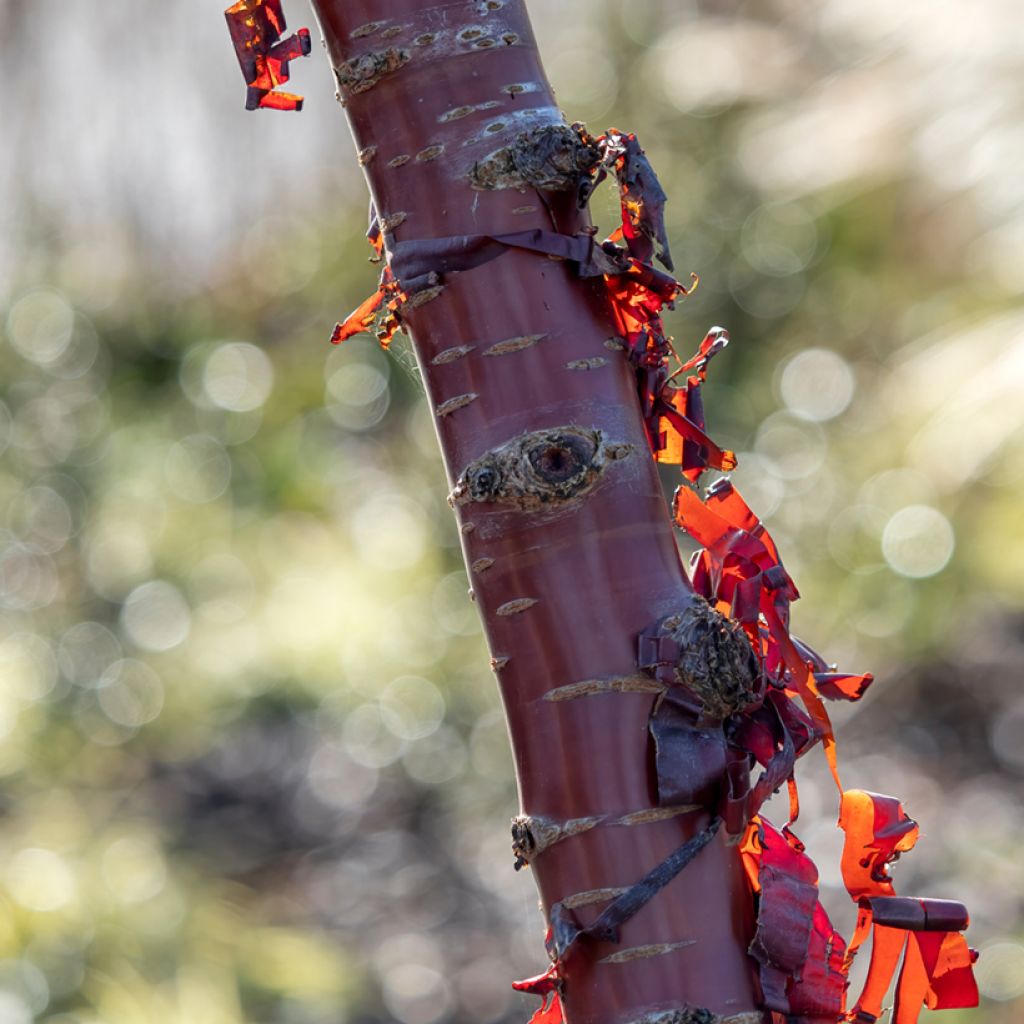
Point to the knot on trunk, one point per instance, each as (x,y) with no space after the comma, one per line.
(539,468)
(553,157)
(696,1015)
(708,654)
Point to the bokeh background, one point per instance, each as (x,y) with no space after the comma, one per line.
(252,763)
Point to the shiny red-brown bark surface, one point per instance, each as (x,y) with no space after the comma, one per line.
(598,570)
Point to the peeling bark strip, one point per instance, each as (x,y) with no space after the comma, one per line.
(623,956)
(564,929)
(255,27)
(538,468)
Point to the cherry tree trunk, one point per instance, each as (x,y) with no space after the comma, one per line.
(565,531)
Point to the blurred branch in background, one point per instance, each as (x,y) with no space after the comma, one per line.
(221,800)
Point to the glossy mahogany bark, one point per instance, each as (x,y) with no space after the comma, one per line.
(597,571)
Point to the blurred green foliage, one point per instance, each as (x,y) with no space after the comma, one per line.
(252,764)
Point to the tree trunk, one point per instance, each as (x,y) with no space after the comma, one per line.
(565,532)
